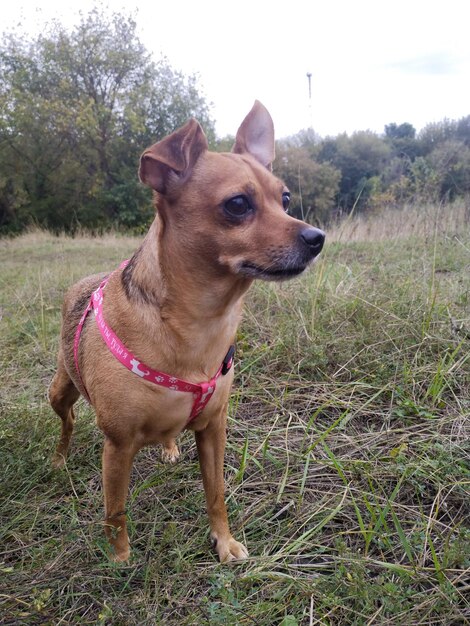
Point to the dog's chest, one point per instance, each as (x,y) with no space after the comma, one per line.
(155,413)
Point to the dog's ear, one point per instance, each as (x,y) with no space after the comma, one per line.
(256,135)
(172,158)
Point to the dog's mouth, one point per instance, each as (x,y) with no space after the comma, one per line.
(270,273)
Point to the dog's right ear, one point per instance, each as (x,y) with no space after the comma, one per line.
(172,158)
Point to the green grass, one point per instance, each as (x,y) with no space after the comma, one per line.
(347,463)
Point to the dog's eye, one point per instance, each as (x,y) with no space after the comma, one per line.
(285,200)
(238,206)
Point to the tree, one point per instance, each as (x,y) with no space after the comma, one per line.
(436,133)
(76,110)
(463,130)
(306,138)
(313,185)
(402,131)
(450,162)
(359,158)
(402,140)
(224,144)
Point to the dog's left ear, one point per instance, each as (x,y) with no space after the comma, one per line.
(256,135)
(173,158)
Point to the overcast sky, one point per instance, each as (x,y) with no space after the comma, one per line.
(372,62)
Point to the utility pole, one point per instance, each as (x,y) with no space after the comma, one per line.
(310,115)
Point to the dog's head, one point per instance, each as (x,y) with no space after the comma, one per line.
(227,209)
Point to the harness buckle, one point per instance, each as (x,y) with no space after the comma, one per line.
(228,360)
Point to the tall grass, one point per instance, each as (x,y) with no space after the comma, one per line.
(415,220)
(347,460)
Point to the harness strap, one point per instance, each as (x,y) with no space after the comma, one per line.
(202,392)
(76,344)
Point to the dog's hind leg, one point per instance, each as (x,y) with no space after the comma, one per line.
(62,395)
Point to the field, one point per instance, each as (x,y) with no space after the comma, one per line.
(347,466)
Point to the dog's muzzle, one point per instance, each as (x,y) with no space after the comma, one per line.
(292,261)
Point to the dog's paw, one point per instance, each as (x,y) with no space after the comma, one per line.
(170,453)
(58,460)
(120,557)
(229,549)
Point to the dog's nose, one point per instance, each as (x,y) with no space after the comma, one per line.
(314,238)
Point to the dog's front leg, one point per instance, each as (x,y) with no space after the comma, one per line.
(211,447)
(117,465)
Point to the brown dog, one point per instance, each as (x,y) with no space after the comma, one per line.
(220,223)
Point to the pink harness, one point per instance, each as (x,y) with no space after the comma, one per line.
(202,392)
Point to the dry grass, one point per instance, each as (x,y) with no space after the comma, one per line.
(410,221)
(347,463)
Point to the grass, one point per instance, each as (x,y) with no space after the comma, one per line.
(347,464)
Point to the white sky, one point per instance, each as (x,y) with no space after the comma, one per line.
(372,61)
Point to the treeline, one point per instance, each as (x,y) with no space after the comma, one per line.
(77,107)
(366,171)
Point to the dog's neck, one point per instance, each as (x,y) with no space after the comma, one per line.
(191,310)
